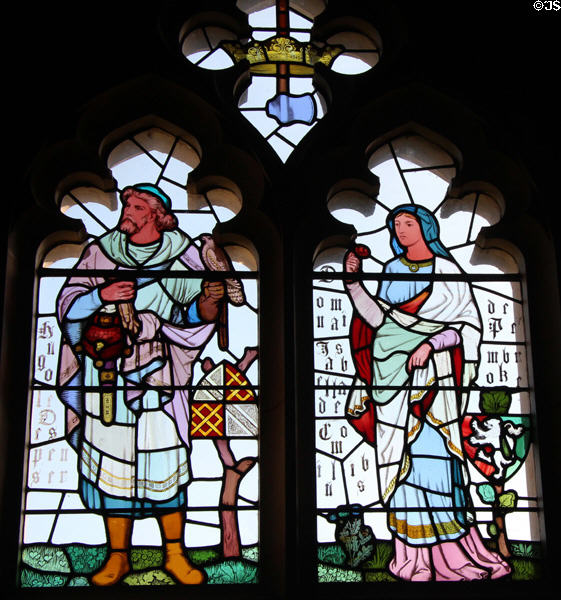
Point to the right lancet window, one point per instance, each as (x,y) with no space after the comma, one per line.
(425,461)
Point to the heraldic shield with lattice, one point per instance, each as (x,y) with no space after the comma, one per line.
(224,404)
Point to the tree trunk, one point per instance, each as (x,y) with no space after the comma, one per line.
(498,515)
(233,474)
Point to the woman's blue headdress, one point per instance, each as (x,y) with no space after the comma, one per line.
(429,228)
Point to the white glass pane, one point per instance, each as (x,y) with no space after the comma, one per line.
(42,500)
(263,18)
(427,189)
(79,528)
(177,194)
(146,532)
(249,526)
(48,292)
(262,35)
(523,526)
(244,448)
(455,228)
(37,528)
(259,119)
(218,59)
(249,487)
(127,173)
(298,21)
(201,535)
(352,65)
(281,147)
(72,502)
(205,459)
(196,57)
(205,493)
(300,36)
(258,92)
(194,224)
(392,191)
(301,85)
(177,170)
(295,133)
(320,105)
(243,329)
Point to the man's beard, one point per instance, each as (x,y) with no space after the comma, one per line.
(128,226)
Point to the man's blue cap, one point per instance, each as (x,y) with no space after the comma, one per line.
(154,190)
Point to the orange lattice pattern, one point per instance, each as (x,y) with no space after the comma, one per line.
(207,420)
(235,378)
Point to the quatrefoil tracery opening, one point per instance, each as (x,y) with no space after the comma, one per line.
(281,102)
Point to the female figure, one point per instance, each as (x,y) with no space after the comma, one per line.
(416,351)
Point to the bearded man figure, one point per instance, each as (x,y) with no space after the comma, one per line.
(133,324)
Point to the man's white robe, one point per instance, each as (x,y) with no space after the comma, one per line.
(144,453)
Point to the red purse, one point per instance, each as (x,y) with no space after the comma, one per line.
(104,338)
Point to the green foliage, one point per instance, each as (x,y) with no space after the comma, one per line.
(356,538)
(329,574)
(46,558)
(146,558)
(525,550)
(486,492)
(358,553)
(31,578)
(48,566)
(508,500)
(492,530)
(495,403)
(379,576)
(234,571)
(79,582)
(251,553)
(154,577)
(86,559)
(204,556)
(383,553)
(524,570)
(331,554)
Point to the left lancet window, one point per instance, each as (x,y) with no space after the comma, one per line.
(142,453)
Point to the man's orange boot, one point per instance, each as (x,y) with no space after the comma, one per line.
(117,565)
(176,563)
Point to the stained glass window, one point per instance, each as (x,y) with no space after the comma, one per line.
(171,441)
(425,461)
(142,453)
